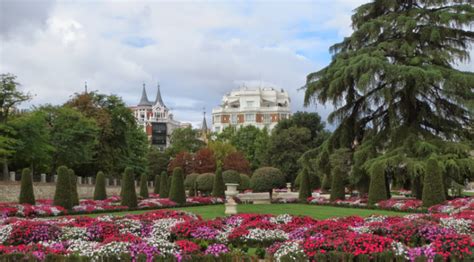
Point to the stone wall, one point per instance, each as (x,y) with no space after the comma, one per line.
(9,191)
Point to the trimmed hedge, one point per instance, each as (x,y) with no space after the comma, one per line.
(337,186)
(377,188)
(190,183)
(305,186)
(74,193)
(62,195)
(433,187)
(265,179)
(164,192)
(231,176)
(157,181)
(100,192)
(205,182)
(244,182)
(177,192)
(218,188)
(27,195)
(129,195)
(144,186)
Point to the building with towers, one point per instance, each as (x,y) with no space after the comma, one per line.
(156,119)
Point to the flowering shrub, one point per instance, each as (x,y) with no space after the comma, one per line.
(182,236)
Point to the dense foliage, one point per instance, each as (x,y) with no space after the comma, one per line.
(144,186)
(177,192)
(164,190)
(205,182)
(231,176)
(218,187)
(265,179)
(433,188)
(27,195)
(74,193)
(129,193)
(62,195)
(100,192)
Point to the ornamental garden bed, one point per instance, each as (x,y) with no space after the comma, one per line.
(166,235)
(45,207)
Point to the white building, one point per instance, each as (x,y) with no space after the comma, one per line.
(156,119)
(259,106)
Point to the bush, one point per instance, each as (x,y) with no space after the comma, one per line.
(27,195)
(74,194)
(164,185)
(157,184)
(144,186)
(326,183)
(218,188)
(337,187)
(305,186)
(377,188)
(204,182)
(244,182)
(177,192)
(190,183)
(433,188)
(62,195)
(129,195)
(313,178)
(231,176)
(265,179)
(100,192)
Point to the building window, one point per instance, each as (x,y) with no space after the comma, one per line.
(267,118)
(233,119)
(249,117)
(250,104)
(217,119)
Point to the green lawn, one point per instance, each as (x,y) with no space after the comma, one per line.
(319,212)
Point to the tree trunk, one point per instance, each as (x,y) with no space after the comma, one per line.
(5,169)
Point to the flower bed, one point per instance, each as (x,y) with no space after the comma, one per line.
(86,206)
(182,236)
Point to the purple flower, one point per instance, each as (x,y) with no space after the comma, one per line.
(216,249)
(204,232)
(143,248)
(426,251)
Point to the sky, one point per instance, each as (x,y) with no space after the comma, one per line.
(196,50)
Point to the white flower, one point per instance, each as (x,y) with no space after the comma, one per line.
(259,234)
(112,249)
(164,246)
(5,231)
(291,249)
(399,249)
(83,248)
(460,225)
(161,229)
(73,233)
(281,219)
(372,219)
(129,226)
(361,229)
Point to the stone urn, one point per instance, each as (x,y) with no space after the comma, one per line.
(288,187)
(230,204)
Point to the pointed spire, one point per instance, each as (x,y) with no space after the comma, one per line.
(85,87)
(158,99)
(204,122)
(144,99)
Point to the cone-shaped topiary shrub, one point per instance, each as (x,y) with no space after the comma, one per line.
(337,187)
(231,176)
(218,188)
(205,183)
(326,183)
(27,195)
(190,183)
(74,193)
(433,188)
(177,192)
(164,185)
(144,186)
(305,186)
(156,190)
(100,192)
(129,195)
(377,188)
(244,182)
(62,195)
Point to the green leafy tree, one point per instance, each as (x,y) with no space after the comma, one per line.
(74,193)
(244,182)
(395,87)
(185,139)
(177,192)
(27,195)
(286,147)
(221,150)
(62,195)
(231,176)
(10,97)
(218,189)
(311,121)
(129,194)
(100,192)
(157,180)
(144,186)
(157,161)
(164,185)
(433,188)
(205,183)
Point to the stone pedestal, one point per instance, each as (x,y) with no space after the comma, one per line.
(12,176)
(230,204)
(288,187)
(107,182)
(79,180)
(55,178)
(115,182)
(89,180)
(43,178)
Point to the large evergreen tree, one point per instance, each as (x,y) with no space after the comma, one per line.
(396,92)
